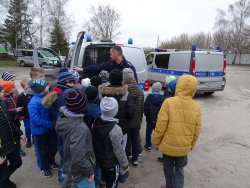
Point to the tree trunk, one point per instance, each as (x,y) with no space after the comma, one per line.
(233,62)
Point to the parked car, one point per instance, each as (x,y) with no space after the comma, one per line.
(46,57)
(208,66)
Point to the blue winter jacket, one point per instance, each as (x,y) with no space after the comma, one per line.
(40,117)
(93,112)
(108,66)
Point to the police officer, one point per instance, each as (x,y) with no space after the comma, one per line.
(117,61)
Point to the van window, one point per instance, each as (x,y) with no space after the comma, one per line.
(29,53)
(39,55)
(96,55)
(150,59)
(135,56)
(162,60)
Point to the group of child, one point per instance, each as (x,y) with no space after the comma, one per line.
(95,125)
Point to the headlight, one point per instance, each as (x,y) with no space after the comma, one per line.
(55,62)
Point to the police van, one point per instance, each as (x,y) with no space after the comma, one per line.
(208,66)
(85,52)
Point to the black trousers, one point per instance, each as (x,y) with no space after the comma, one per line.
(46,148)
(14,161)
(110,175)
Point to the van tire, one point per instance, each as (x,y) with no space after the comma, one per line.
(209,93)
(22,63)
(44,63)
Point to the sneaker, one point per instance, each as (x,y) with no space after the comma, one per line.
(140,153)
(134,163)
(21,153)
(46,173)
(148,148)
(54,166)
(160,160)
(28,144)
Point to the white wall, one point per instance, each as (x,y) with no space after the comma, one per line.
(245,58)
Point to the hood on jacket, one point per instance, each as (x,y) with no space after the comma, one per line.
(49,99)
(186,86)
(134,90)
(110,91)
(102,128)
(156,99)
(67,120)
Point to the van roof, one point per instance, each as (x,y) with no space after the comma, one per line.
(111,43)
(197,52)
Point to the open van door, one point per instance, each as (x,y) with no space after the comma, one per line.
(53,65)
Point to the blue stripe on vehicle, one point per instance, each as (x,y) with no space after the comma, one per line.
(179,72)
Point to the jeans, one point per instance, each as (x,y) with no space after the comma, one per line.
(149,130)
(98,175)
(26,123)
(133,141)
(173,171)
(84,183)
(15,162)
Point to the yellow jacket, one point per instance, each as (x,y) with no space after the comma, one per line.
(179,120)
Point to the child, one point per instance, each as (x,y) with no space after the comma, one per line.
(134,124)
(105,77)
(23,101)
(108,143)
(11,103)
(37,73)
(152,107)
(6,76)
(10,135)
(77,140)
(92,108)
(54,100)
(177,129)
(41,128)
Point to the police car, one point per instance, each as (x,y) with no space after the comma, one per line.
(208,66)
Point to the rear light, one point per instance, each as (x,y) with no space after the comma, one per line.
(224,67)
(146,85)
(193,68)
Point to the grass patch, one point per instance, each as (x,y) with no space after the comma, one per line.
(8,63)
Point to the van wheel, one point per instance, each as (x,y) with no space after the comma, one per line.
(22,63)
(44,63)
(209,93)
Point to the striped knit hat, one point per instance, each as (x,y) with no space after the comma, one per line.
(6,76)
(75,101)
(65,77)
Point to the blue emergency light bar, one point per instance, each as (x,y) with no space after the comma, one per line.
(130,41)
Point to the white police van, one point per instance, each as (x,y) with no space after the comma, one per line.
(207,66)
(88,53)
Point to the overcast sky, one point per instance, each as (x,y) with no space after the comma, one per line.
(144,20)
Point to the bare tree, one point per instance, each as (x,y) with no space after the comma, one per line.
(232,25)
(104,22)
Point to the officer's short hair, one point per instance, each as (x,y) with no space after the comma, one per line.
(117,49)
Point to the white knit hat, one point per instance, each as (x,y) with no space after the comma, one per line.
(156,87)
(109,107)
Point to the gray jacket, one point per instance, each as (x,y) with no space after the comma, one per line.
(79,157)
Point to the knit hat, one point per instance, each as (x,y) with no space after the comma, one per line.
(65,77)
(96,81)
(7,86)
(85,82)
(91,92)
(109,107)
(75,101)
(172,85)
(6,76)
(128,74)
(156,87)
(104,76)
(38,86)
(64,69)
(76,74)
(169,79)
(115,77)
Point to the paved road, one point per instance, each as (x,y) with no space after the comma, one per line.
(220,158)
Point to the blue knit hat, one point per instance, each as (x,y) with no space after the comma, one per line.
(75,101)
(38,86)
(172,85)
(6,76)
(65,77)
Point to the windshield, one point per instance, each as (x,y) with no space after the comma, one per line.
(47,53)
